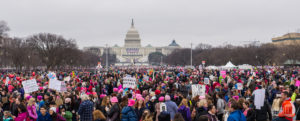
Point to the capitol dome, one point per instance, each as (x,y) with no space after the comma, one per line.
(132,37)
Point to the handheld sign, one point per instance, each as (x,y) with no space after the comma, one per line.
(30,86)
(163,107)
(129,82)
(239,86)
(198,89)
(206,81)
(223,74)
(55,84)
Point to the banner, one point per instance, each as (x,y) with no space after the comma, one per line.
(30,86)
(129,82)
(55,84)
(239,86)
(206,81)
(198,89)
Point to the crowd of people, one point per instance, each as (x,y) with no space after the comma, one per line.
(160,94)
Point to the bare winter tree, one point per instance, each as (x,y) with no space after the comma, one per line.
(51,48)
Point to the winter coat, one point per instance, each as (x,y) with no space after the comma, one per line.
(44,118)
(171,108)
(220,106)
(21,117)
(139,112)
(199,112)
(236,115)
(250,115)
(185,112)
(32,113)
(128,114)
(261,115)
(114,113)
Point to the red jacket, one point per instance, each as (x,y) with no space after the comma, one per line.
(288,110)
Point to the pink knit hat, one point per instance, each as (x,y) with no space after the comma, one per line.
(39,97)
(114,99)
(120,91)
(116,89)
(131,102)
(28,97)
(102,95)
(201,97)
(235,97)
(161,99)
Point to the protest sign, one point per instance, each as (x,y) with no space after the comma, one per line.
(51,75)
(297,83)
(239,86)
(68,78)
(55,84)
(223,74)
(63,87)
(129,82)
(30,86)
(198,89)
(206,80)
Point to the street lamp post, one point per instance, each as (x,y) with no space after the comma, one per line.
(106,57)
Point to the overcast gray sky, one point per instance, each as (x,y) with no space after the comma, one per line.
(97,22)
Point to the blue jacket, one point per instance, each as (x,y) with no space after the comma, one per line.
(171,108)
(47,117)
(128,114)
(236,115)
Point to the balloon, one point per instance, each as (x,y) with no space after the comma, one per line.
(33,73)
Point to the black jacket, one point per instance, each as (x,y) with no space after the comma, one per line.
(114,113)
(264,113)
(250,115)
(199,112)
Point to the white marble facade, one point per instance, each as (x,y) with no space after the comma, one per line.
(133,52)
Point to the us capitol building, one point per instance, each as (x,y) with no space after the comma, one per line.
(133,52)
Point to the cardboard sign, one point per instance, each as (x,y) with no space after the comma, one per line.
(68,78)
(129,82)
(223,74)
(163,107)
(206,81)
(55,84)
(63,87)
(198,89)
(30,86)
(239,86)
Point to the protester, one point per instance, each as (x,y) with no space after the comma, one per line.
(248,112)
(54,116)
(86,109)
(184,110)
(65,114)
(114,112)
(98,116)
(139,107)
(32,115)
(43,115)
(288,108)
(22,113)
(171,106)
(212,113)
(236,114)
(128,113)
